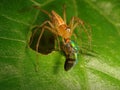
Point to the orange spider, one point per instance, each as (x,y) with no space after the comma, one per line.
(59,27)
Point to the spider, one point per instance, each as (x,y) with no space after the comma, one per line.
(59,27)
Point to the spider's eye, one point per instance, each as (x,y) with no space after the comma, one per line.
(68,29)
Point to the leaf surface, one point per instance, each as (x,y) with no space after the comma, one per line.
(17,59)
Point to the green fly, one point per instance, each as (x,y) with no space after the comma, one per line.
(71,53)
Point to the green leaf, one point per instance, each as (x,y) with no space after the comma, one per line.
(17,59)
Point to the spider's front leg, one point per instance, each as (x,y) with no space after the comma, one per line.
(64,13)
(43,29)
(42,10)
(75,21)
(36,28)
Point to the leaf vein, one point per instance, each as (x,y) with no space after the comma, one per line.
(38,4)
(11,57)
(13,39)
(15,20)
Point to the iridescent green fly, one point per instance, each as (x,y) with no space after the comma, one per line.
(71,53)
(71,50)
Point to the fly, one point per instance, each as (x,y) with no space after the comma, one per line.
(71,53)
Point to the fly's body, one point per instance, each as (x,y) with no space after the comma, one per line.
(71,53)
